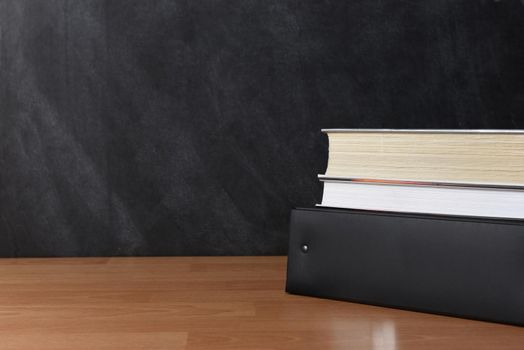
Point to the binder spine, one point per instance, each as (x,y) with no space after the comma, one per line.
(458,266)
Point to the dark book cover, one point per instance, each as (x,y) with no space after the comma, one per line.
(457,266)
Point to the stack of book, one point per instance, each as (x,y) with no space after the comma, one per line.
(450,172)
(425,220)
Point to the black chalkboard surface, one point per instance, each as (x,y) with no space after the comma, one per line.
(193,127)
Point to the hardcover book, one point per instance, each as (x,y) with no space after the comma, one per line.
(493,157)
(431,198)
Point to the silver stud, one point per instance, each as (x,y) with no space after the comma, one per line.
(304,248)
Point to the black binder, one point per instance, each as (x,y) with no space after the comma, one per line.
(457,266)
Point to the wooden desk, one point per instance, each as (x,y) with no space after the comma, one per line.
(206,303)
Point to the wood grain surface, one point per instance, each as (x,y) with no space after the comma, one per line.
(206,303)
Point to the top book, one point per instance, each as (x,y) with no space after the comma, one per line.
(477,157)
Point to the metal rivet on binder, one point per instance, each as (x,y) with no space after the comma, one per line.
(304,248)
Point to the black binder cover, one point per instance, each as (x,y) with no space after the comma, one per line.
(458,266)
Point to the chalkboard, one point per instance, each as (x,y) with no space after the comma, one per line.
(193,127)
